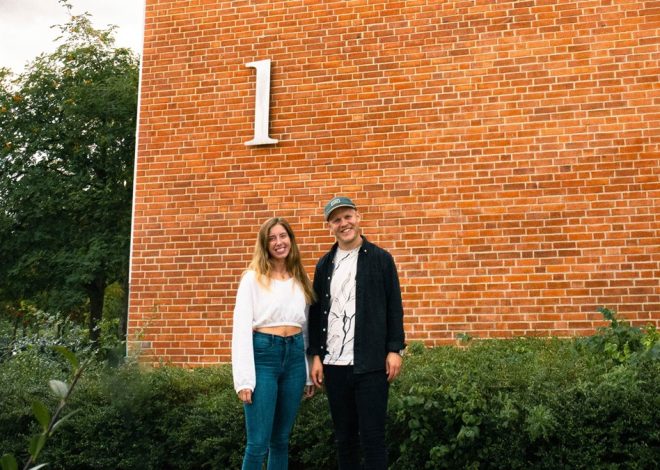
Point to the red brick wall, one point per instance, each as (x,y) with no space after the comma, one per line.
(505,152)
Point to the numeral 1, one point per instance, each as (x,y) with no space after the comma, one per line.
(262,104)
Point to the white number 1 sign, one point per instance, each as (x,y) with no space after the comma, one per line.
(262,104)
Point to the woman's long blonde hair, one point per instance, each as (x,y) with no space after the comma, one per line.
(261,258)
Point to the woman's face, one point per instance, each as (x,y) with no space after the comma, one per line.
(279,243)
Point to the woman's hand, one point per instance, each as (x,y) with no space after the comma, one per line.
(245,396)
(309,391)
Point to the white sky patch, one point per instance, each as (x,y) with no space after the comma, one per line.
(26,32)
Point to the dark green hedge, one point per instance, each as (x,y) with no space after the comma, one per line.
(502,404)
(525,404)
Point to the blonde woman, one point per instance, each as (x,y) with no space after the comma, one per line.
(270,369)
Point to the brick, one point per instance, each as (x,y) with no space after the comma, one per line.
(506,155)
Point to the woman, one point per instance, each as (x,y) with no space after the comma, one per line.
(269,342)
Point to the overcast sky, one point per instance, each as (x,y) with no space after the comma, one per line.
(25,26)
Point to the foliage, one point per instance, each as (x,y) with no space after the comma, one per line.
(165,418)
(312,440)
(42,331)
(49,423)
(493,404)
(531,403)
(620,342)
(67,141)
(32,329)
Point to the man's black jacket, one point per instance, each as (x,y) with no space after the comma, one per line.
(378,308)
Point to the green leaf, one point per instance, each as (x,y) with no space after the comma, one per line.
(8,462)
(41,413)
(36,444)
(59,388)
(42,465)
(62,420)
(68,355)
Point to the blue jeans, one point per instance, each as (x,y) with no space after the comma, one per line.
(280,373)
(358,406)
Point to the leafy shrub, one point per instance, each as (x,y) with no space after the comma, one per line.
(495,404)
(38,330)
(48,420)
(621,342)
(531,403)
(312,440)
(24,380)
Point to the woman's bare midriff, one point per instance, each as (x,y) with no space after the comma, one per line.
(280,330)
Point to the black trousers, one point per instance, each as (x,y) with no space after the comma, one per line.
(358,406)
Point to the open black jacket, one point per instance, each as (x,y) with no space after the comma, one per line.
(378,308)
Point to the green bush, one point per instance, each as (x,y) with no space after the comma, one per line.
(24,380)
(40,331)
(524,403)
(531,403)
(502,404)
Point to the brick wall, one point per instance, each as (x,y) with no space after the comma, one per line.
(505,152)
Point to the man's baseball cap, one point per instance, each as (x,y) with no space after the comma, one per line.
(336,203)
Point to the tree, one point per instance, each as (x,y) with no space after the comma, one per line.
(67,144)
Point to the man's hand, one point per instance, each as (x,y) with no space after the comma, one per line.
(245,396)
(317,371)
(393,363)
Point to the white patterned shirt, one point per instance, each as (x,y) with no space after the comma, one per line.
(341,321)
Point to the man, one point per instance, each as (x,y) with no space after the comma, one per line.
(356,336)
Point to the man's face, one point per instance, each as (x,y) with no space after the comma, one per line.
(344,224)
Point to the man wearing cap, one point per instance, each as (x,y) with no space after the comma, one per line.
(356,336)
